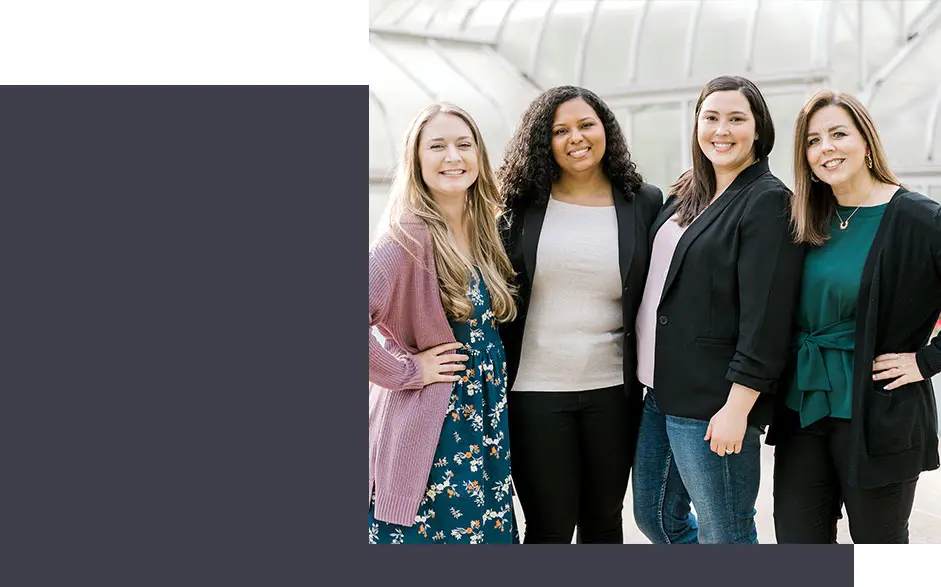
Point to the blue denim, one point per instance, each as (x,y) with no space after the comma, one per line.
(674,468)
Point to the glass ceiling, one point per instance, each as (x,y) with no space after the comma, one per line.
(649,59)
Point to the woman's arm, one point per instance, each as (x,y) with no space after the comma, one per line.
(386,369)
(928,358)
(904,368)
(401,371)
(769,273)
(770,267)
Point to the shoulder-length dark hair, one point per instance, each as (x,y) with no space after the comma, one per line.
(696,187)
(814,202)
(529,168)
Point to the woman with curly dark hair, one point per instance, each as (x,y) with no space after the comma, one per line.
(579,218)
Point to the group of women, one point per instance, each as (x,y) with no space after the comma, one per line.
(551,324)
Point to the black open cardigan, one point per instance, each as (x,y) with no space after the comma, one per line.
(520,234)
(895,433)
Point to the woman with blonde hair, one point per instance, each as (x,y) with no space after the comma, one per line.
(439,459)
(860,422)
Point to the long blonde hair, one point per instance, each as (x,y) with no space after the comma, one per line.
(409,193)
(814,201)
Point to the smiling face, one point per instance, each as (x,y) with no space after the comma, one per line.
(578,137)
(448,156)
(726,130)
(836,149)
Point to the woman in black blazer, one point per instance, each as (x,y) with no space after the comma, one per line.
(578,233)
(859,421)
(714,326)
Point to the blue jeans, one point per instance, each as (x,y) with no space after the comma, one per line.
(674,468)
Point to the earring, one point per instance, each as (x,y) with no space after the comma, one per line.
(813,178)
(756,137)
(869,160)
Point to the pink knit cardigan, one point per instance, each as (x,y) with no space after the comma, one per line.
(405,417)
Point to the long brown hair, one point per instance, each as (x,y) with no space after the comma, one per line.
(409,193)
(695,188)
(814,202)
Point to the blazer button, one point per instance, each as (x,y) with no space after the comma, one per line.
(664,320)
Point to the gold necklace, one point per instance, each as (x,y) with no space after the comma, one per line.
(845,223)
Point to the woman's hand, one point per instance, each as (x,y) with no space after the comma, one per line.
(726,429)
(899,366)
(436,366)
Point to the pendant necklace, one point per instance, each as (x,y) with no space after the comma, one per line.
(845,223)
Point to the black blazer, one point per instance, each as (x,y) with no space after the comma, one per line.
(727,307)
(895,433)
(521,238)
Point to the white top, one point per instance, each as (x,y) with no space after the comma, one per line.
(645,329)
(573,340)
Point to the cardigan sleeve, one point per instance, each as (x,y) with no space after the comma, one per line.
(770,265)
(928,358)
(390,370)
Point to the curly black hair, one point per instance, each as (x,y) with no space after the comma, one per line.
(529,168)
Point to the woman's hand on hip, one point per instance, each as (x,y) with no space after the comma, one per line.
(898,366)
(438,364)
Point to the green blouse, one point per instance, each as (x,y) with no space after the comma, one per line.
(826,318)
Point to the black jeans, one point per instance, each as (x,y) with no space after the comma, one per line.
(571,460)
(811,468)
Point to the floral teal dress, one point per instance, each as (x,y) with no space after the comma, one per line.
(468,500)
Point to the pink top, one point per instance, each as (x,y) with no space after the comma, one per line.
(664,245)
(405,417)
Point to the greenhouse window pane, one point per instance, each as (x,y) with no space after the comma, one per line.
(417,17)
(656,144)
(451,15)
(378,197)
(377,7)
(380,143)
(900,116)
(881,40)
(920,67)
(399,94)
(610,45)
(395,10)
(662,42)
(556,62)
(881,35)
(512,92)
(935,146)
(624,117)
(720,38)
(784,36)
(448,84)
(420,59)
(521,30)
(486,19)
(913,8)
(784,110)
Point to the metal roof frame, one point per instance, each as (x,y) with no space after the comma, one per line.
(634,96)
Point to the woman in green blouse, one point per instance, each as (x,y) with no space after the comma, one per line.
(859,422)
